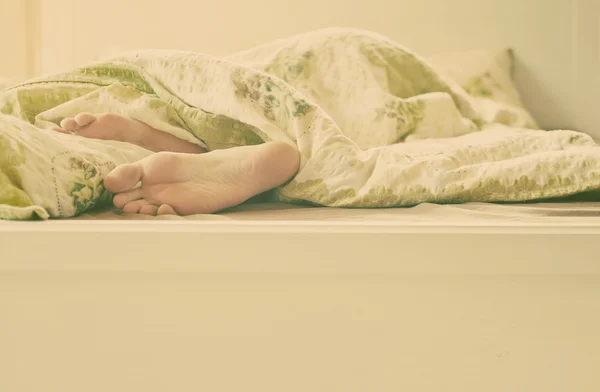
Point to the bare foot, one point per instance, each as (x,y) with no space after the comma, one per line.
(188,184)
(124,129)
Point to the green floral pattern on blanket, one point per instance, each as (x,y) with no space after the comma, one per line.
(375,125)
(11,183)
(481,86)
(88,189)
(266,94)
(407,115)
(291,65)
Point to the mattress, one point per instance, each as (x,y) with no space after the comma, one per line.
(472,238)
(584,213)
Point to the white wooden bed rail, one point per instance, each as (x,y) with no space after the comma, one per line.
(297,307)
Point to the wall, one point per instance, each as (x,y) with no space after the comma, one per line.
(14,40)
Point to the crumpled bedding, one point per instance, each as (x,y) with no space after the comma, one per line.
(376,125)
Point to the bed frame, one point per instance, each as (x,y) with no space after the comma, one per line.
(311,304)
(297,306)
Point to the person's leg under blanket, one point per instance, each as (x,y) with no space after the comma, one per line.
(181,177)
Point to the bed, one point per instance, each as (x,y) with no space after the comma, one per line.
(271,297)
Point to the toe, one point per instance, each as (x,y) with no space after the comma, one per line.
(122,199)
(68,124)
(83,119)
(134,207)
(58,129)
(166,209)
(124,177)
(149,209)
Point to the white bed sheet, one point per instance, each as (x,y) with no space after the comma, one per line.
(454,214)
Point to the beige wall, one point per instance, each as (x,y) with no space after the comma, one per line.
(14,43)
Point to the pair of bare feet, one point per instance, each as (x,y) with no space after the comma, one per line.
(182,178)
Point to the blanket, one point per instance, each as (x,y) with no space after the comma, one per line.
(376,125)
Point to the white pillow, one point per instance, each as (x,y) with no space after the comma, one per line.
(487,76)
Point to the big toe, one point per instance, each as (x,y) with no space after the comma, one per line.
(124,177)
(166,209)
(68,124)
(83,119)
